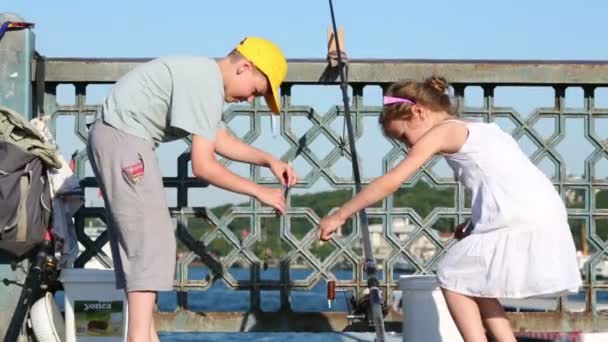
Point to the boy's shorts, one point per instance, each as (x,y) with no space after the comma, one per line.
(140,228)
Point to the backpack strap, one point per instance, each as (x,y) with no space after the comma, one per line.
(24,186)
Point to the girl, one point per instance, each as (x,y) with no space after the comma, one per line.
(519,243)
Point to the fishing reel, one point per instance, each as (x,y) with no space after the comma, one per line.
(362,308)
(45,266)
(359,307)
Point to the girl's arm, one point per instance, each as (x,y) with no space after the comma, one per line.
(444,138)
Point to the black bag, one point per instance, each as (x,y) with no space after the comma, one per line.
(25,200)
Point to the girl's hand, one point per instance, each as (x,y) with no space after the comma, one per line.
(463,230)
(329,225)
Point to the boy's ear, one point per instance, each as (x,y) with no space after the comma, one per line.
(244,66)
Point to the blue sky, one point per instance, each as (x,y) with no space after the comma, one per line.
(442,29)
(471,29)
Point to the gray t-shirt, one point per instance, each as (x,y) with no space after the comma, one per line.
(167,99)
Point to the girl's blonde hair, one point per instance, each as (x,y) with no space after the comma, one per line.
(431,93)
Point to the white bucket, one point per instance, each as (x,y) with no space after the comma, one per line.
(425,313)
(94,309)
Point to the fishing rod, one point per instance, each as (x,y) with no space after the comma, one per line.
(375,302)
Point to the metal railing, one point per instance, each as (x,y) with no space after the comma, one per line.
(409,238)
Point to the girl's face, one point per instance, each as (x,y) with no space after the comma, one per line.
(412,129)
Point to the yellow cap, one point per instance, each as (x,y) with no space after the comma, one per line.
(267,57)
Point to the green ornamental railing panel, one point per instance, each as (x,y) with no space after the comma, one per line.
(557,111)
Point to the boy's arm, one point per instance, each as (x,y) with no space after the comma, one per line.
(205,166)
(233,148)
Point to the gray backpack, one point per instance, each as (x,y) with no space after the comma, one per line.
(25,198)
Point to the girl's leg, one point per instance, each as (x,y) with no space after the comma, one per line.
(466,315)
(495,320)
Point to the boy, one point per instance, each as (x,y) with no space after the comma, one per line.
(163,100)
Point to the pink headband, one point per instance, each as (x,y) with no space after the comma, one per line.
(389,100)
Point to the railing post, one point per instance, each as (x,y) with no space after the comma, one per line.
(16,53)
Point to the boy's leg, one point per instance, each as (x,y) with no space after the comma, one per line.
(141,316)
(141,231)
(465,313)
(495,320)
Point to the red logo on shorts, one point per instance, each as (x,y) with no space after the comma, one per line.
(134,173)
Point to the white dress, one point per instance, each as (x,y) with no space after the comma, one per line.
(521,245)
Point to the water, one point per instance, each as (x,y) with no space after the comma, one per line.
(221,298)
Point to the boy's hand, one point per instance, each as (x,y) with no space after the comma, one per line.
(329,225)
(284,173)
(272,197)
